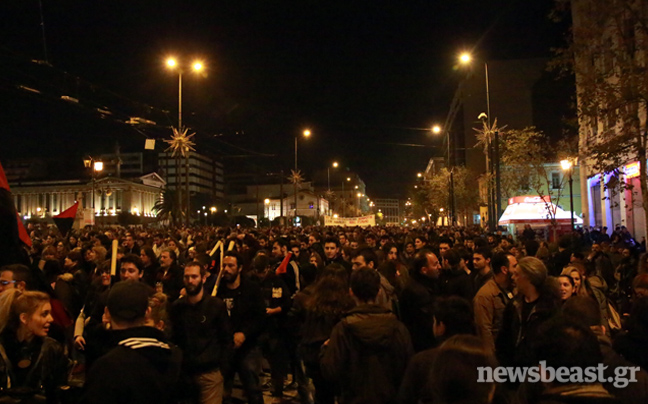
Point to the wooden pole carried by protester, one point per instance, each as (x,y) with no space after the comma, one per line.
(113,259)
(220,269)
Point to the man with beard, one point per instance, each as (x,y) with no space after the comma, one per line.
(491,299)
(246,309)
(202,329)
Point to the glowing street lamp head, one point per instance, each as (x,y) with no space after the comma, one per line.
(419,175)
(267,201)
(307,133)
(436,129)
(197,66)
(465,58)
(565,164)
(171,63)
(335,164)
(98,165)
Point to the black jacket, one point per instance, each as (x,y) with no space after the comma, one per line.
(48,370)
(203,331)
(416,307)
(150,274)
(514,342)
(172,282)
(632,346)
(456,283)
(142,368)
(367,355)
(275,294)
(246,309)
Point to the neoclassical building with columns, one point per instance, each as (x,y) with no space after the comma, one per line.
(44,199)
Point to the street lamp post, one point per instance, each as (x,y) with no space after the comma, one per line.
(568,165)
(267,208)
(492,159)
(436,129)
(306,133)
(197,66)
(348,179)
(95,166)
(328,186)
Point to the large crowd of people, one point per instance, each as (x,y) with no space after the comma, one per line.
(338,314)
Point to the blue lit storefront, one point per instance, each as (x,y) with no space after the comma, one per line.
(611,206)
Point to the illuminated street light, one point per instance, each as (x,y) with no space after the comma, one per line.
(567,166)
(178,67)
(419,175)
(436,129)
(306,134)
(267,201)
(213,209)
(96,166)
(335,164)
(492,167)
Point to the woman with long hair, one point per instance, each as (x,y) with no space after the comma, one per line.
(583,287)
(566,286)
(32,363)
(323,308)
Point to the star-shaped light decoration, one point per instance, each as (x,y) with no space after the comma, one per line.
(296,178)
(329,194)
(484,135)
(180,143)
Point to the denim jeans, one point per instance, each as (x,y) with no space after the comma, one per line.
(247,363)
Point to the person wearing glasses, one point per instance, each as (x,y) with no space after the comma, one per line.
(13,276)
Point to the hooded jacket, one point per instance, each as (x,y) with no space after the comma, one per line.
(367,355)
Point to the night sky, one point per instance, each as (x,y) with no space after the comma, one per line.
(366,77)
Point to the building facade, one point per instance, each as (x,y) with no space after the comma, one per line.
(610,50)
(390,209)
(112,196)
(265,201)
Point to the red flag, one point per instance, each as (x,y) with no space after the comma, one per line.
(283,267)
(4,184)
(69,213)
(11,227)
(65,219)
